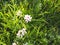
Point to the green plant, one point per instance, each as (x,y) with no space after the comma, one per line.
(43,29)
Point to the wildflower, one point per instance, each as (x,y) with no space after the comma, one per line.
(14,43)
(27,18)
(21,33)
(18,13)
(24,31)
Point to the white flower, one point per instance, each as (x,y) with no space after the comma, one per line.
(27,18)
(24,31)
(21,33)
(18,13)
(14,43)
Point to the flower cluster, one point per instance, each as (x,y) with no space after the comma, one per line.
(21,33)
(27,18)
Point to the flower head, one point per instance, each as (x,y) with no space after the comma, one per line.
(14,43)
(21,33)
(27,18)
(18,13)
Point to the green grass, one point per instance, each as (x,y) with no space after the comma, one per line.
(44,29)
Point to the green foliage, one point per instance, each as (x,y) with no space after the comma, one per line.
(44,29)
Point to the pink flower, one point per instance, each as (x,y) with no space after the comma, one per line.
(27,18)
